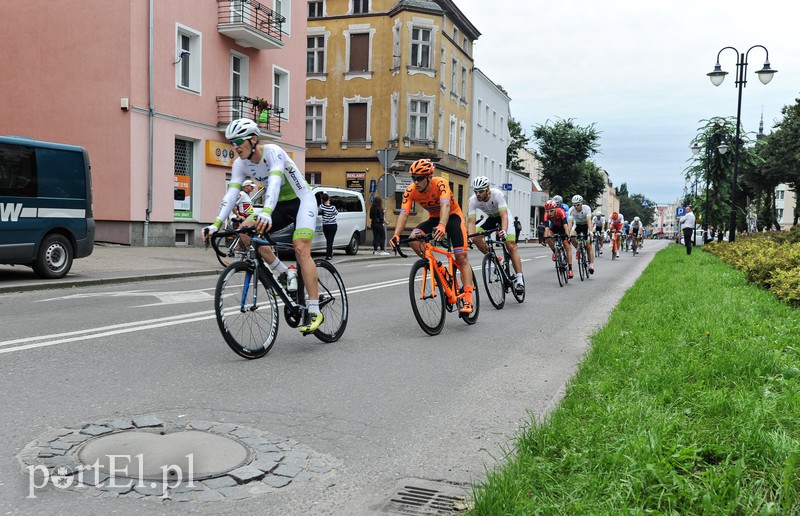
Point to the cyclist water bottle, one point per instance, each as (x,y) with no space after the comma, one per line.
(291,280)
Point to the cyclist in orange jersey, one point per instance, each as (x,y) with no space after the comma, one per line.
(446,219)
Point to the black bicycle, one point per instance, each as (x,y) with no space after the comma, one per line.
(583,257)
(561,260)
(497,271)
(227,244)
(246,301)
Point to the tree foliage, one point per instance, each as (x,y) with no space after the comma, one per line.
(517,141)
(632,206)
(564,149)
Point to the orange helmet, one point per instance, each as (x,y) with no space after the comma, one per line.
(614,216)
(421,167)
(550,205)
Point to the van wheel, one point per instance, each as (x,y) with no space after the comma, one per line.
(55,257)
(352,246)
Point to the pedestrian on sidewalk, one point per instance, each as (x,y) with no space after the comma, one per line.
(329,225)
(517,227)
(377,216)
(687,225)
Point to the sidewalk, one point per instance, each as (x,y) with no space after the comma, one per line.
(112,263)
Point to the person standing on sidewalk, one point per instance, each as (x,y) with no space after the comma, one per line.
(377,216)
(517,227)
(687,225)
(329,225)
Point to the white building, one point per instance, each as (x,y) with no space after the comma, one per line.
(490,139)
(785,199)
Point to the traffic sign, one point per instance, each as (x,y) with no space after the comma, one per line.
(507,187)
(386,157)
(680,211)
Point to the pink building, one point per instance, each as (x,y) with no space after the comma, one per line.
(148,88)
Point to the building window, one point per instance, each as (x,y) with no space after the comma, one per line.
(440,134)
(494,122)
(315,54)
(442,65)
(314,178)
(461,195)
(453,76)
(315,122)
(357,121)
(396,47)
(479,112)
(280,90)
(779,195)
(463,82)
(394,116)
(419,119)
(486,118)
(187,69)
(462,140)
(477,164)
(780,213)
(502,128)
(359,52)
(315,9)
(239,82)
(284,8)
(453,135)
(421,47)
(360,6)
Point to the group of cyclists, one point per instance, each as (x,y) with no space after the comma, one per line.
(288,198)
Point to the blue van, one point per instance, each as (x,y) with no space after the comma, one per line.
(46,217)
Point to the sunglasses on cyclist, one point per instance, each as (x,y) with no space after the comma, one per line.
(480,190)
(551,211)
(417,179)
(238,141)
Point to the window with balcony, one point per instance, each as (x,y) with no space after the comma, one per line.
(187,51)
(421,47)
(280,90)
(315,122)
(315,55)
(315,9)
(360,6)
(239,85)
(284,8)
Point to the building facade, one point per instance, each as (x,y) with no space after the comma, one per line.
(148,91)
(388,75)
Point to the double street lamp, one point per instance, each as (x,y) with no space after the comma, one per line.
(717,76)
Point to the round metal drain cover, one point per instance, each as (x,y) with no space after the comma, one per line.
(152,455)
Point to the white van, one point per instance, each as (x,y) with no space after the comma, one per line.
(352,219)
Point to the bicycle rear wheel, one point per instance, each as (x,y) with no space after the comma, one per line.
(248,325)
(493,280)
(519,296)
(332,302)
(634,247)
(427,301)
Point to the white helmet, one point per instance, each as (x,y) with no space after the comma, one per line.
(598,213)
(242,128)
(636,219)
(577,199)
(558,199)
(480,182)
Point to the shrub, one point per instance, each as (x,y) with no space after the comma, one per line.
(786,285)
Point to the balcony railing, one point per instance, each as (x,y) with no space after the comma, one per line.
(250,24)
(266,115)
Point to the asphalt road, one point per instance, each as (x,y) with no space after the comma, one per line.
(386,403)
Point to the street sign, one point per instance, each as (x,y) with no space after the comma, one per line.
(386,186)
(386,157)
(507,187)
(373,185)
(680,211)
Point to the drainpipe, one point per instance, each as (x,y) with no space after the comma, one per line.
(151,114)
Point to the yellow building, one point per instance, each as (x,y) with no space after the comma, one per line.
(388,74)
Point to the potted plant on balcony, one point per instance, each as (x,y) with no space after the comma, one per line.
(261,108)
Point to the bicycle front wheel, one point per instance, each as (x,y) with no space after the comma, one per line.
(583,271)
(562,266)
(493,280)
(247,315)
(427,301)
(332,302)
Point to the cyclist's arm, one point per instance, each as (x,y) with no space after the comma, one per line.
(472,223)
(504,220)
(273,190)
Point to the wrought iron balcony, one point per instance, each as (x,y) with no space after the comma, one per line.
(266,115)
(250,24)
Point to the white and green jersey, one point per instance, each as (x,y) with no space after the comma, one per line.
(491,207)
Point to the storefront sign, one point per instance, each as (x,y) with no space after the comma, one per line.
(219,153)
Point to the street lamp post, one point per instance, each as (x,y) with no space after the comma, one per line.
(717,76)
(722,149)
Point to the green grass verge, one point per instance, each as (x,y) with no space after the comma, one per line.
(688,402)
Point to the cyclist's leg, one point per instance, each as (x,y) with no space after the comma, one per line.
(265,251)
(511,245)
(301,241)
(457,233)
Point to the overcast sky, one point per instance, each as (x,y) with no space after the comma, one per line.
(637,70)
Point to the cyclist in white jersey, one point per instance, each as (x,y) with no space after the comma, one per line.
(599,227)
(580,215)
(288,198)
(492,202)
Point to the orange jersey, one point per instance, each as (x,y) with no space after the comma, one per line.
(437,193)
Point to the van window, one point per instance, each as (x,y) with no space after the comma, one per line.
(17,171)
(345,203)
(68,180)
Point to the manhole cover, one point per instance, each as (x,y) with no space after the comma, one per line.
(156,455)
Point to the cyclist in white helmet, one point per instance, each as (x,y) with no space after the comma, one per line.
(580,215)
(492,203)
(599,228)
(288,198)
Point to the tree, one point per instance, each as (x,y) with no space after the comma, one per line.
(632,206)
(782,153)
(563,149)
(517,142)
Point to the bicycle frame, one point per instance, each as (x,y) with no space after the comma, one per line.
(450,284)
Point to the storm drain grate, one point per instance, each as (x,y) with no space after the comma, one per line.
(426,497)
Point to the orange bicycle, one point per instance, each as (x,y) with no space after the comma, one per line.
(615,244)
(434,286)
